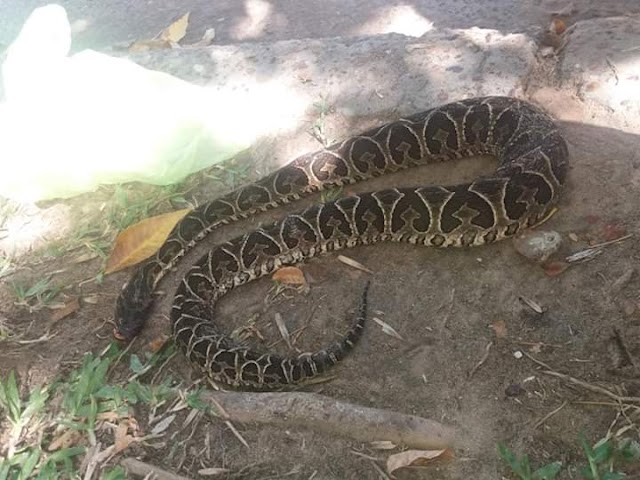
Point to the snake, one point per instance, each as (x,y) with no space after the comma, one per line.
(532,163)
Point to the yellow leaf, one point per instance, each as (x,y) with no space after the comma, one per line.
(290,276)
(177,30)
(140,241)
(146,45)
(415,458)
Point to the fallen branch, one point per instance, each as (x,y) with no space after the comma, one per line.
(141,469)
(297,409)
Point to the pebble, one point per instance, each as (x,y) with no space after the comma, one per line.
(538,245)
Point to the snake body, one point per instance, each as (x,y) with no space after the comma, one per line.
(532,166)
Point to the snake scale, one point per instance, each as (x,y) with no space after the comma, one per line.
(532,165)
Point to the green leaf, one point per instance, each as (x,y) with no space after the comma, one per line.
(603,452)
(548,472)
(613,476)
(116,473)
(30,463)
(135,364)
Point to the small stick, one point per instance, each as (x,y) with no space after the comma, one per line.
(549,415)
(141,469)
(325,414)
(482,360)
(593,388)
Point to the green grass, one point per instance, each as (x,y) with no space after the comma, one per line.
(605,460)
(35,295)
(78,402)
(318,130)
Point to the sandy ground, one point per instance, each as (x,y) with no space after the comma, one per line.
(450,307)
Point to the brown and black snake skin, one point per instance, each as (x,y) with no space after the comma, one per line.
(532,165)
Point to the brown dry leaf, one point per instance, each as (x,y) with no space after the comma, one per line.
(68,439)
(613,231)
(500,328)
(69,308)
(142,240)
(558,26)
(416,458)
(146,45)
(157,343)
(553,269)
(177,30)
(289,276)
(121,439)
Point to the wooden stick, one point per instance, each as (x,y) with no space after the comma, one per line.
(141,469)
(325,414)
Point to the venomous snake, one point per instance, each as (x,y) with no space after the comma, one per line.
(532,165)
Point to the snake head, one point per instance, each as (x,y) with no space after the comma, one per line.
(132,308)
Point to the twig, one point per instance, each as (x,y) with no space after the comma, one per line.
(549,415)
(136,467)
(223,413)
(593,388)
(482,360)
(298,409)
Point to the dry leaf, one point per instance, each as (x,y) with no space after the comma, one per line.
(68,439)
(146,45)
(535,306)
(500,328)
(207,38)
(352,263)
(613,231)
(284,331)
(92,299)
(388,329)
(142,240)
(416,458)
(289,276)
(382,445)
(162,425)
(85,257)
(67,309)
(536,348)
(211,471)
(553,269)
(157,343)
(177,30)
(558,26)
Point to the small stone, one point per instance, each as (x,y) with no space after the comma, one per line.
(629,307)
(514,390)
(518,354)
(538,245)
(573,237)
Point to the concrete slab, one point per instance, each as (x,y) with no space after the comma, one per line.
(601,66)
(373,78)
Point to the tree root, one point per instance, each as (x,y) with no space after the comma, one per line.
(327,415)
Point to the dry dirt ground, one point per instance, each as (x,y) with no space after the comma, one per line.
(442,303)
(452,309)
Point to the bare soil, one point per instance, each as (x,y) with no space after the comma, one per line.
(442,302)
